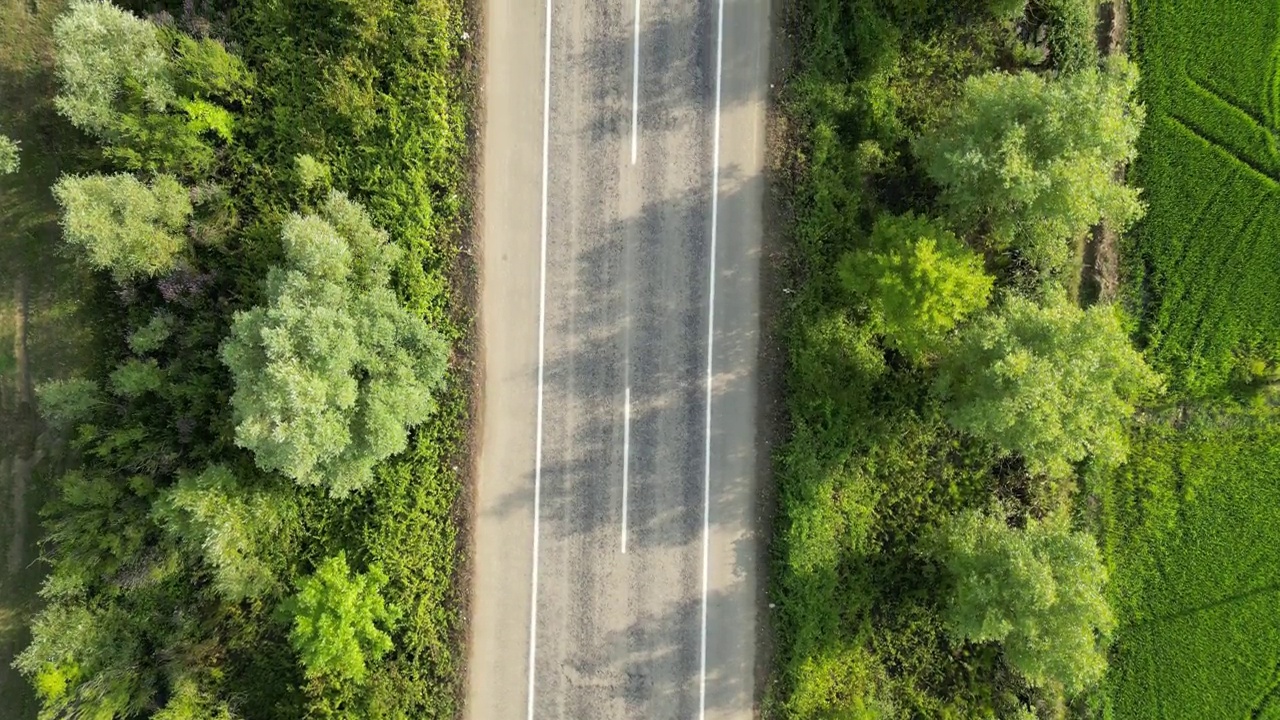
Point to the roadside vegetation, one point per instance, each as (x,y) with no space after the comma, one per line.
(1002,496)
(259,518)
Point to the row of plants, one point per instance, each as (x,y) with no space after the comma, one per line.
(262,521)
(945,389)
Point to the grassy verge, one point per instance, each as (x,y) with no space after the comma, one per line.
(42,332)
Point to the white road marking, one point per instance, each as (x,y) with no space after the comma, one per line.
(626,459)
(635,83)
(711,317)
(542,334)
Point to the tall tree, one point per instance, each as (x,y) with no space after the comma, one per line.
(332,371)
(1053,383)
(1037,590)
(100,50)
(132,229)
(1032,159)
(918,279)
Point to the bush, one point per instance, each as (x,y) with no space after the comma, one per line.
(1031,161)
(124,226)
(151,336)
(9,160)
(1071,27)
(1038,591)
(1054,384)
(134,378)
(331,372)
(227,525)
(919,280)
(335,620)
(63,403)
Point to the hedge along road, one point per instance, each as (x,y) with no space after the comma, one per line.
(616,568)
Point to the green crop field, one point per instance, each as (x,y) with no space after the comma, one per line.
(1210,168)
(1192,531)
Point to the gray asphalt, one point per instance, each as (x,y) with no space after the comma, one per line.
(627,296)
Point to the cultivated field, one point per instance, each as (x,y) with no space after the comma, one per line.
(1192,530)
(1210,170)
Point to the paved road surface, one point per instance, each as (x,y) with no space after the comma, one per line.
(645,566)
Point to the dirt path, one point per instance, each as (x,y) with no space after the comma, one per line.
(1100,274)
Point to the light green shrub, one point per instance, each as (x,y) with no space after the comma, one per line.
(123,225)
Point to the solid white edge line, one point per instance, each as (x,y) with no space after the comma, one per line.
(542,313)
(635,84)
(626,459)
(711,315)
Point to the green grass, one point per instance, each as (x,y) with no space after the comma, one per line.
(39,297)
(1192,532)
(1209,165)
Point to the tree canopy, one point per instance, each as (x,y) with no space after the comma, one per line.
(918,279)
(9,159)
(336,617)
(331,371)
(1037,590)
(123,225)
(1053,383)
(1032,160)
(100,49)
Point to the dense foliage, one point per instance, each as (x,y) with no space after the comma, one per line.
(918,280)
(1202,270)
(871,468)
(1021,161)
(1036,590)
(181,564)
(1052,383)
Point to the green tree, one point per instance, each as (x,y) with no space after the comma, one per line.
(123,225)
(1039,591)
(336,618)
(134,378)
(101,49)
(1053,383)
(9,160)
(1032,159)
(63,403)
(231,527)
(332,371)
(919,280)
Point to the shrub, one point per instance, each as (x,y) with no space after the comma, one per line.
(1054,384)
(1070,27)
(331,372)
(9,160)
(227,525)
(311,172)
(122,224)
(134,378)
(919,280)
(151,336)
(100,50)
(63,403)
(1032,160)
(1038,591)
(336,618)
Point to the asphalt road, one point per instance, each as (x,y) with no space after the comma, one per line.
(615,538)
